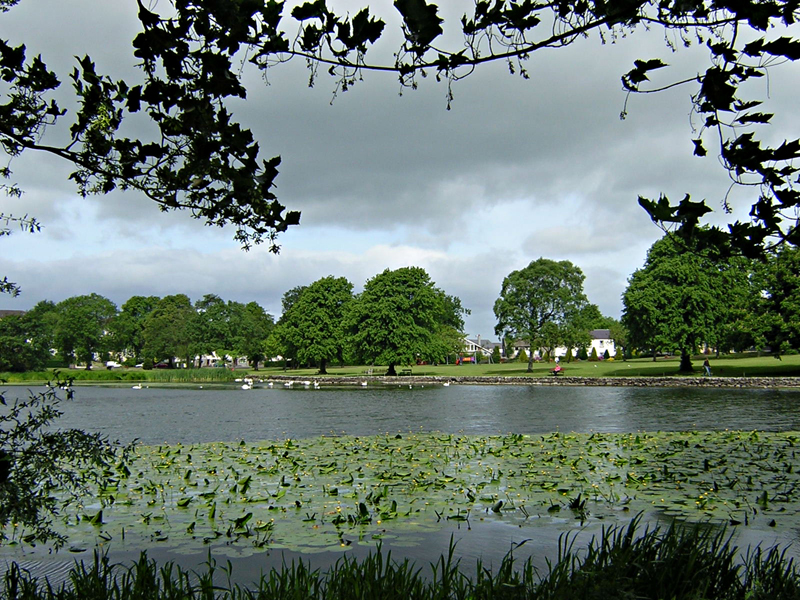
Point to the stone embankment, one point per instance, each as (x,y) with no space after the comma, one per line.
(718,382)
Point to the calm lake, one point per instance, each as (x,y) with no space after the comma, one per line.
(193,415)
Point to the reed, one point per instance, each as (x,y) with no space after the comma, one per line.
(679,563)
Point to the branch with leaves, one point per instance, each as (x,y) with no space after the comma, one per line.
(43,469)
(201,160)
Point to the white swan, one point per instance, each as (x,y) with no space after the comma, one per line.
(138,386)
(363,384)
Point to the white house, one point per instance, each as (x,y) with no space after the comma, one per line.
(601,341)
(477,346)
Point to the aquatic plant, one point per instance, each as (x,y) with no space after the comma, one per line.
(681,563)
(329,493)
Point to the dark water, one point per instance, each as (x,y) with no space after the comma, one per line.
(194,415)
(213,413)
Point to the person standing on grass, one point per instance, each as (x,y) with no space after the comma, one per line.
(707,368)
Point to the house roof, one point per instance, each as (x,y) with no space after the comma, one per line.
(600,334)
(482,344)
(8,313)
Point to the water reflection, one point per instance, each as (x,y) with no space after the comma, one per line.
(171,415)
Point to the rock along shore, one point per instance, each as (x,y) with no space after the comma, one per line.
(718,382)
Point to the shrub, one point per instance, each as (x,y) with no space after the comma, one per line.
(496,358)
(147,365)
(582,355)
(606,355)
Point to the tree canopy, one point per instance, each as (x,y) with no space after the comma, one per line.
(168,329)
(195,156)
(679,301)
(779,303)
(313,325)
(81,328)
(399,318)
(540,303)
(127,327)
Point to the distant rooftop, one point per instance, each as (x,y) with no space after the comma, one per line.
(600,334)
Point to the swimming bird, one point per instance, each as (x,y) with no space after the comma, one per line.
(363,384)
(138,386)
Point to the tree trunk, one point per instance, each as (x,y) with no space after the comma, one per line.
(530,360)
(686,362)
(391,372)
(322,367)
(654,355)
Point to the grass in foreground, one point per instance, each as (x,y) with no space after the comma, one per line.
(624,562)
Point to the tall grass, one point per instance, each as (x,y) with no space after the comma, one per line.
(102,375)
(681,563)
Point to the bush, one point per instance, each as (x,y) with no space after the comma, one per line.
(593,356)
(582,355)
(522,356)
(606,355)
(496,357)
(147,365)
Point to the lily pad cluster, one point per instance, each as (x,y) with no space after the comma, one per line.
(328,493)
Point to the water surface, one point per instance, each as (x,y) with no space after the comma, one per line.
(194,415)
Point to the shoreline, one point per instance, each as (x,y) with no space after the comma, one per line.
(718,382)
(420,380)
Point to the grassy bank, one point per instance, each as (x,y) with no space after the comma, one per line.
(624,562)
(740,365)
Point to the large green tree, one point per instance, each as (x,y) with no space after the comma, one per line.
(780,301)
(252,326)
(169,330)
(398,318)
(278,343)
(313,325)
(19,350)
(127,327)
(82,327)
(212,327)
(26,340)
(538,302)
(676,301)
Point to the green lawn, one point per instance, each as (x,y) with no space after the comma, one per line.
(740,365)
(726,366)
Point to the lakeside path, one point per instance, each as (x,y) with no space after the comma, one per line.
(720,382)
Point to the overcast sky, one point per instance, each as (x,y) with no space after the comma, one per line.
(516,170)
